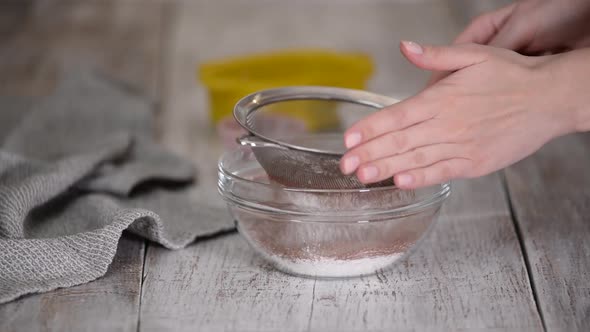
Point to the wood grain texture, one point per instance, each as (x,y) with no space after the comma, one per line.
(120,38)
(218,285)
(123,41)
(110,303)
(550,192)
(468,274)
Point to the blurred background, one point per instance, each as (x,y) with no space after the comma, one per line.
(161,46)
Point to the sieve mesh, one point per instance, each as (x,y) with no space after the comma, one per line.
(303,169)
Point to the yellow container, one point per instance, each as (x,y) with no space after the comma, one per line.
(231,79)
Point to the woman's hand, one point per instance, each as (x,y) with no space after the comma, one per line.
(533,26)
(495,109)
(530,27)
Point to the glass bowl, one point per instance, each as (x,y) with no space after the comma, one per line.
(325,233)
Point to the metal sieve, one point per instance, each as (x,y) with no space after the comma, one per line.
(305,152)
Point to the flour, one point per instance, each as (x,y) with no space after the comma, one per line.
(322,250)
(334,268)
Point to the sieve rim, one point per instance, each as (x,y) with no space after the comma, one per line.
(250,103)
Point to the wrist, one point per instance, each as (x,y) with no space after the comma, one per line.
(578,71)
(581,117)
(568,82)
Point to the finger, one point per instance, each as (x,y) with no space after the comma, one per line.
(396,117)
(479,31)
(484,27)
(391,143)
(437,173)
(384,168)
(511,36)
(444,58)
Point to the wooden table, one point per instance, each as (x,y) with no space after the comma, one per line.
(511,251)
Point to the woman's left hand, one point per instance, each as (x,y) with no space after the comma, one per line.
(495,109)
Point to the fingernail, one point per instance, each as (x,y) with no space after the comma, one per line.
(404,180)
(352,140)
(413,47)
(350,164)
(369,173)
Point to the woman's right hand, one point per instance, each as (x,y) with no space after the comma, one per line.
(531,27)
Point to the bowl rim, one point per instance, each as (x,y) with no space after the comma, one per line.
(344,218)
(397,212)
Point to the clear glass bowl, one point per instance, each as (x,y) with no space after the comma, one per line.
(325,233)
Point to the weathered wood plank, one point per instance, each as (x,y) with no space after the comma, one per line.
(469,274)
(110,303)
(218,285)
(550,193)
(123,40)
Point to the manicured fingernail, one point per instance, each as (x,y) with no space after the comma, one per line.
(369,173)
(350,164)
(404,180)
(413,47)
(352,140)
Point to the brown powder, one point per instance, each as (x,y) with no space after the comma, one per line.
(343,241)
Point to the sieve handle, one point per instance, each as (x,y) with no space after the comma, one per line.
(256,142)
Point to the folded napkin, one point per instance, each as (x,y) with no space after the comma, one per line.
(76,169)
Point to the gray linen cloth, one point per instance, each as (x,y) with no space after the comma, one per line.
(76,169)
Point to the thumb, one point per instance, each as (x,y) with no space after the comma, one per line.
(443,58)
(484,27)
(437,76)
(512,36)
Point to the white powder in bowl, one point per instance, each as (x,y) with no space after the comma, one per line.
(335,268)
